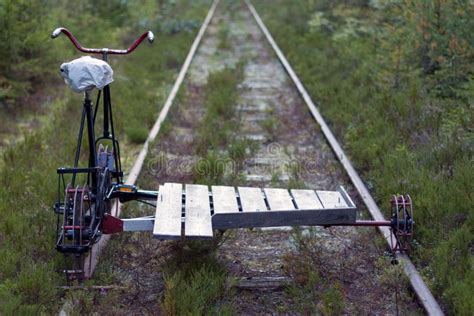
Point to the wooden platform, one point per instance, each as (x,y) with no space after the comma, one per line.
(193,211)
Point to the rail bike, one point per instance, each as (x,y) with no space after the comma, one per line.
(87,191)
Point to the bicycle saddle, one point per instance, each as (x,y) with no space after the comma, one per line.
(86,73)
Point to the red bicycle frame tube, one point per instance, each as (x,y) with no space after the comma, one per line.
(59,30)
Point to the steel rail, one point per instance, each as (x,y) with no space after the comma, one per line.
(421,289)
(92,259)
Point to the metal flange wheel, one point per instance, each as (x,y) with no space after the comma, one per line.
(76,231)
(402,223)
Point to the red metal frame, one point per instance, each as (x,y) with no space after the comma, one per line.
(111,224)
(74,41)
(365,223)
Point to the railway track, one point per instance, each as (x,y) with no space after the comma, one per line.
(271,113)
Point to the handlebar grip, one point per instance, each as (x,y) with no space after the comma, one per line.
(56,32)
(150,36)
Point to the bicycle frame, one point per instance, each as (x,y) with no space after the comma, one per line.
(89,116)
(103,172)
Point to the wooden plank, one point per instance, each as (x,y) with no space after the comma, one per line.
(331,199)
(306,200)
(279,199)
(225,200)
(252,200)
(197,214)
(262,283)
(284,218)
(168,212)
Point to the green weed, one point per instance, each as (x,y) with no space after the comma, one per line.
(394,81)
(195,280)
(270,125)
(222,152)
(211,169)
(223,36)
(137,134)
(221,98)
(311,292)
(395,281)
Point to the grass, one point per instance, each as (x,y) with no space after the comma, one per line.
(320,285)
(400,105)
(313,291)
(222,152)
(29,274)
(393,279)
(195,281)
(219,103)
(223,36)
(270,125)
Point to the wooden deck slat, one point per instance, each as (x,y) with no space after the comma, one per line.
(197,222)
(306,200)
(331,199)
(284,218)
(225,200)
(312,208)
(279,199)
(168,212)
(252,200)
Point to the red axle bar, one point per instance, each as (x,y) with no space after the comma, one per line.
(365,223)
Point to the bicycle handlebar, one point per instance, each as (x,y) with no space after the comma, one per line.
(149,35)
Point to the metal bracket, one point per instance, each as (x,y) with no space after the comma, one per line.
(126,193)
(111,224)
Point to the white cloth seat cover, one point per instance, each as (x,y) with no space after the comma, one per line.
(86,73)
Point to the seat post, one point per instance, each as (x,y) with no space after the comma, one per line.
(90,135)
(107,102)
(107,105)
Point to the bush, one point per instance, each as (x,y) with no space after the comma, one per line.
(193,295)
(394,81)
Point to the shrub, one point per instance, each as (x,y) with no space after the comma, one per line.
(396,90)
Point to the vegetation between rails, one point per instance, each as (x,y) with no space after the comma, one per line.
(29,269)
(195,281)
(222,151)
(199,279)
(192,278)
(395,80)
